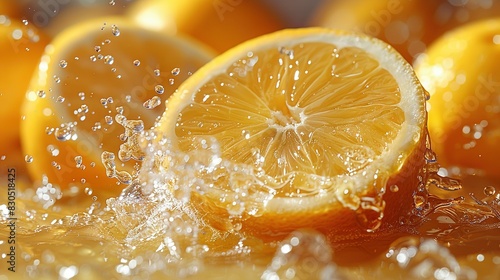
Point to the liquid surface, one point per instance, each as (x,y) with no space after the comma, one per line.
(451,234)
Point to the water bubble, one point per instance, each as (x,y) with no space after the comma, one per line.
(171,81)
(159,89)
(128,98)
(66,132)
(57,79)
(489,190)
(176,71)
(96,126)
(112,2)
(78,161)
(25,21)
(394,188)
(115,30)
(108,120)
(81,95)
(119,109)
(108,59)
(137,62)
(154,102)
(28,158)
(97,48)
(41,93)
(60,99)
(286,51)
(93,58)
(419,201)
(157,72)
(63,63)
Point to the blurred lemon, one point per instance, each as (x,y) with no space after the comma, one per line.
(315,128)
(221,24)
(100,83)
(21,47)
(408,25)
(461,73)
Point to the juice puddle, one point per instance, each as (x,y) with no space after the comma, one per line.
(148,233)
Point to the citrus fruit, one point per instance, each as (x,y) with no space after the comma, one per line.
(21,47)
(12,9)
(461,74)
(99,84)
(55,16)
(409,26)
(220,24)
(305,128)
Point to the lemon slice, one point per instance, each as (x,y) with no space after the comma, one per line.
(307,128)
(99,84)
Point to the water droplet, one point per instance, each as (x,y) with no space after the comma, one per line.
(419,201)
(137,62)
(63,63)
(112,2)
(128,98)
(154,102)
(171,81)
(97,48)
(108,59)
(115,30)
(157,72)
(41,93)
(119,110)
(78,161)
(159,89)
(108,120)
(60,99)
(57,79)
(394,188)
(66,132)
(286,51)
(25,21)
(489,190)
(176,71)
(81,95)
(96,126)
(93,58)
(28,159)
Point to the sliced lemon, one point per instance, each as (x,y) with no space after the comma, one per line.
(99,84)
(300,128)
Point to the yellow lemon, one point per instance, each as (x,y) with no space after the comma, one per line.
(460,71)
(306,128)
(99,84)
(409,26)
(221,24)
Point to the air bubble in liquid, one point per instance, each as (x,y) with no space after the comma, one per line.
(157,72)
(489,190)
(137,62)
(41,93)
(303,255)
